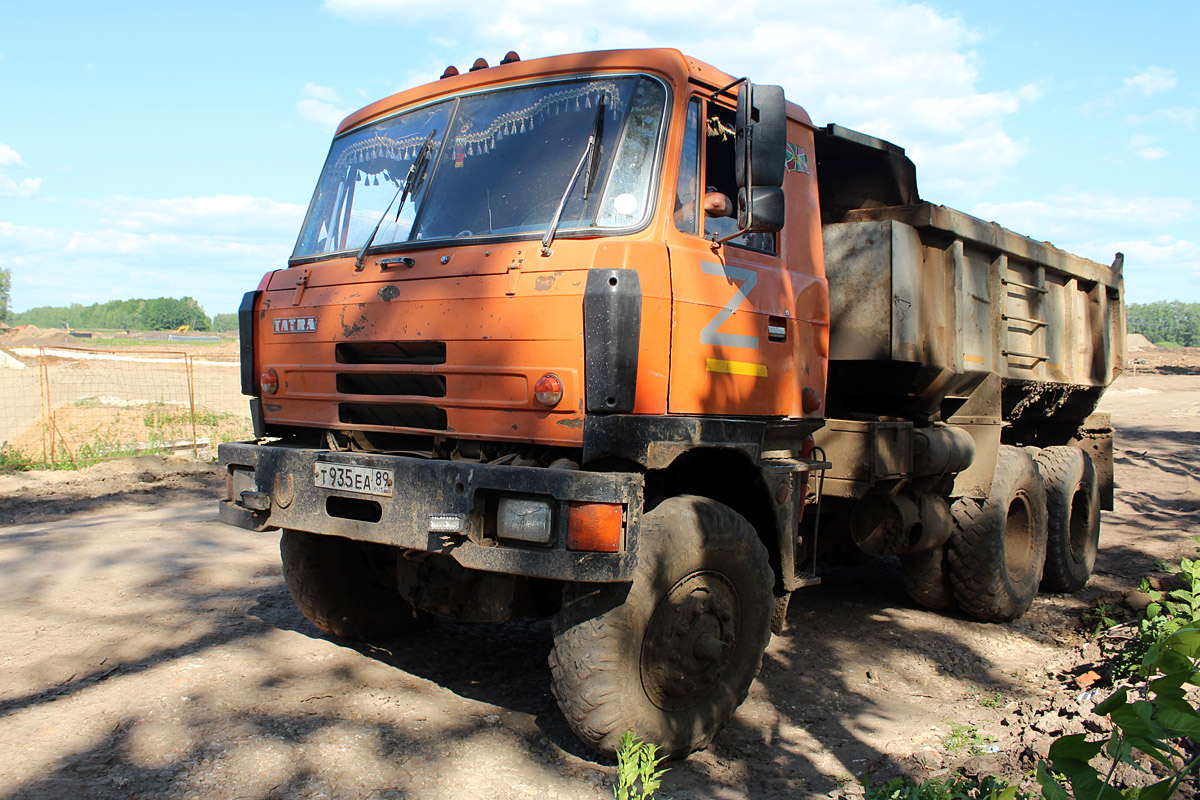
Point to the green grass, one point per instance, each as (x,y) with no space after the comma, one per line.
(14,460)
(956,788)
(965,739)
(993,700)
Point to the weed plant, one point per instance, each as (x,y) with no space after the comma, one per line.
(965,739)
(957,788)
(638,773)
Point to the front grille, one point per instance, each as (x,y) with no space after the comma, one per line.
(391,384)
(390,353)
(394,415)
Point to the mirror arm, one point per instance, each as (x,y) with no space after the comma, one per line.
(723,89)
(718,242)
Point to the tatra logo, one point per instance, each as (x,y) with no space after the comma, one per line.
(295,325)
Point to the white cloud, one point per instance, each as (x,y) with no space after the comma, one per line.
(1152,80)
(1176,115)
(10,187)
(9,157)
(219,214)
(321,104)
(896,70)
(317,92)
(1087,214)
(1144,148)
(1097,226)
(26,188)
(211,248)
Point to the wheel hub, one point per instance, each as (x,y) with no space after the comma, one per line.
(690,640)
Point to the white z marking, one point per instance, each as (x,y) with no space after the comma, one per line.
(749,279)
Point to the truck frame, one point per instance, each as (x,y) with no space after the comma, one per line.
(517,366)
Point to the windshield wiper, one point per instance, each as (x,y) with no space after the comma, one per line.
(591,157)
(593,166)
(412,184)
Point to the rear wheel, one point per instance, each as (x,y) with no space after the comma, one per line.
(670,656)
(998,548)
(1073,517)
(345,587)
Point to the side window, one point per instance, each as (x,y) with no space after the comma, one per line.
(687,188)
(721,190)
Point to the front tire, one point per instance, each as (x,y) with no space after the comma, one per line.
(1073,517)
(670,656)
(998,548)
(345,587)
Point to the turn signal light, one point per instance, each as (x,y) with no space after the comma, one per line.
(810,399)
(548,390)
(594,527)
(269,381)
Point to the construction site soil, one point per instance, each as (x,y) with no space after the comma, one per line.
(146,650)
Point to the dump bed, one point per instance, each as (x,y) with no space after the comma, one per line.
(942,300)
(929,305)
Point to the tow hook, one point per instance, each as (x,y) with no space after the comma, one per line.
(256,501)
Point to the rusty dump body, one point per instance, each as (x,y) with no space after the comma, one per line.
(675,356)
(939,316)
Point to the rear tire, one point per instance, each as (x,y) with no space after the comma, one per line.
(998,548)
(671,655)
(345,587)
(1073,517)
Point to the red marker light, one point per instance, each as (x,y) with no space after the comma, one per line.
(269,381)
(548,390)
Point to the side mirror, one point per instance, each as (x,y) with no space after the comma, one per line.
(761,209)
(761,126)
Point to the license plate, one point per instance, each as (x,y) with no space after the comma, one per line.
(364,480)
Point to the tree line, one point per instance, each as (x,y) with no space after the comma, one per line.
(1166,323)
(154,314)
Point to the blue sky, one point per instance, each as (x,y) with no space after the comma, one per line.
(166,149)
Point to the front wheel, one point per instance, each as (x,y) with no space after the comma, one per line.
(345,587)
(672,655)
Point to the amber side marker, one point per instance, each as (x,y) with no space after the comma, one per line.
(594,527)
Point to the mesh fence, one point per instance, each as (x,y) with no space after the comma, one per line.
(71,406)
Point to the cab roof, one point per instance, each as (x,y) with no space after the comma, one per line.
(670,64)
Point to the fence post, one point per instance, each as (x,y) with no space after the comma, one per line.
(192,404)
(44,381)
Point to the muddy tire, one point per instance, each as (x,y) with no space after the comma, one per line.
(998,548)
(927,579)
(671,655)
(346,588)
(1073,517)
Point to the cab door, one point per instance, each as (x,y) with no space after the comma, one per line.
(733,337)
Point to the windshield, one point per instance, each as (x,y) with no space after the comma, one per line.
(501,162)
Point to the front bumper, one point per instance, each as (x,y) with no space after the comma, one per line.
(277,480)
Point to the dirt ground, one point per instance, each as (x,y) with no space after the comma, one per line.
(146,650)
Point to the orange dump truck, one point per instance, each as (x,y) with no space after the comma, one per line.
(617,338)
